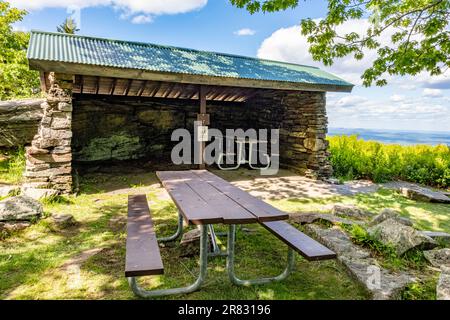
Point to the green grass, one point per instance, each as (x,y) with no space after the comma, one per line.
(354,158)
(421,290)
(12,165)
(35,263)
(385,253)
(426,216)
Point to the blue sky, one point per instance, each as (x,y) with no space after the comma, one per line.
(407,103)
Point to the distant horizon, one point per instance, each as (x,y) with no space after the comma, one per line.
(403,137)
(396,130)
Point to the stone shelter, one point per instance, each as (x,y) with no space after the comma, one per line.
(118,100)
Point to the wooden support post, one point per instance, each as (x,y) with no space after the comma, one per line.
(202,115)
(43,81)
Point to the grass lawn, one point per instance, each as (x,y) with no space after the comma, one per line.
(12,164)
(87,261)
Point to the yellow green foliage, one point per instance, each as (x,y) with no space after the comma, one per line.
(354,158)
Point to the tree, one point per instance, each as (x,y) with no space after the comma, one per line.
(16,79)
(68,26)
(419,34)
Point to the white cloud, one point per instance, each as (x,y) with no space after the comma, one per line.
(441,81)
(397,98)
(245,32)
(432,93)
(141,19)
(130,7)
(20,28)
(407,86)
(379,111)
(288,44)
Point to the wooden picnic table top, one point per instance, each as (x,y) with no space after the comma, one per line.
(204,198)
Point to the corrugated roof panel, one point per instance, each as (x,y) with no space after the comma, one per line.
(60,47)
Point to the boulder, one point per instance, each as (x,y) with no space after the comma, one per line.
(438,257)
(190,237)
(390,214)
(8,190)
(443,285)
(333,181)
(380,282)
(401,237)
(424,194)
(38,194)
(349,211)
(306,218)
(314,144)
(20,208)
(441,237)
(14,226)
(19,121)
(190,243)
(63,221)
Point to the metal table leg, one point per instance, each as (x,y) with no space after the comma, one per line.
(216,251)
(177,234)
(139,291)
(230,264)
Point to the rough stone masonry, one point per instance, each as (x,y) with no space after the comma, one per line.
(300,116)
(49,158)
(302,120)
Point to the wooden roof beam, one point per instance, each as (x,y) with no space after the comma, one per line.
(113,86)
(155,89)
(128,87)
(142,88)
(168,90)
(93,70)
(97,85)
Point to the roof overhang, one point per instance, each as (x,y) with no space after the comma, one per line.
(101,71)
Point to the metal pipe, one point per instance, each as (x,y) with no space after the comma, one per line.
(139,291)
(213,239)
(177,234)
(216,251)
(230,264)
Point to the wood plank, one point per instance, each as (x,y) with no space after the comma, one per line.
(231,212)
(127,87)
(262,210)
(81,84)
(155,89)
(194,209)
(309,248)
(202,95)
(97,85)
(83,69)
(142,250)
(193,94)
(142,88)
(43,81)
(217,92)
(168,90)
(113,86)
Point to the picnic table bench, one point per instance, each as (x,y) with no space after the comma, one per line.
(204,199)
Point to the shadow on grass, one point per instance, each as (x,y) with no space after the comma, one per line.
(27,265)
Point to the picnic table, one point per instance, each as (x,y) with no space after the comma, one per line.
(205,200)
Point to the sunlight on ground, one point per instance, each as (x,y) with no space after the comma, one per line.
(87,261)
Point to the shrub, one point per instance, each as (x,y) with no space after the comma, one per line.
(354,158)
(12,165)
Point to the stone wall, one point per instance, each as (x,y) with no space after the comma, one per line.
(89,128)
(19,121)
(49,158)
(122,128)
(302,120)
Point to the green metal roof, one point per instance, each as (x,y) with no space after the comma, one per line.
(59,47)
